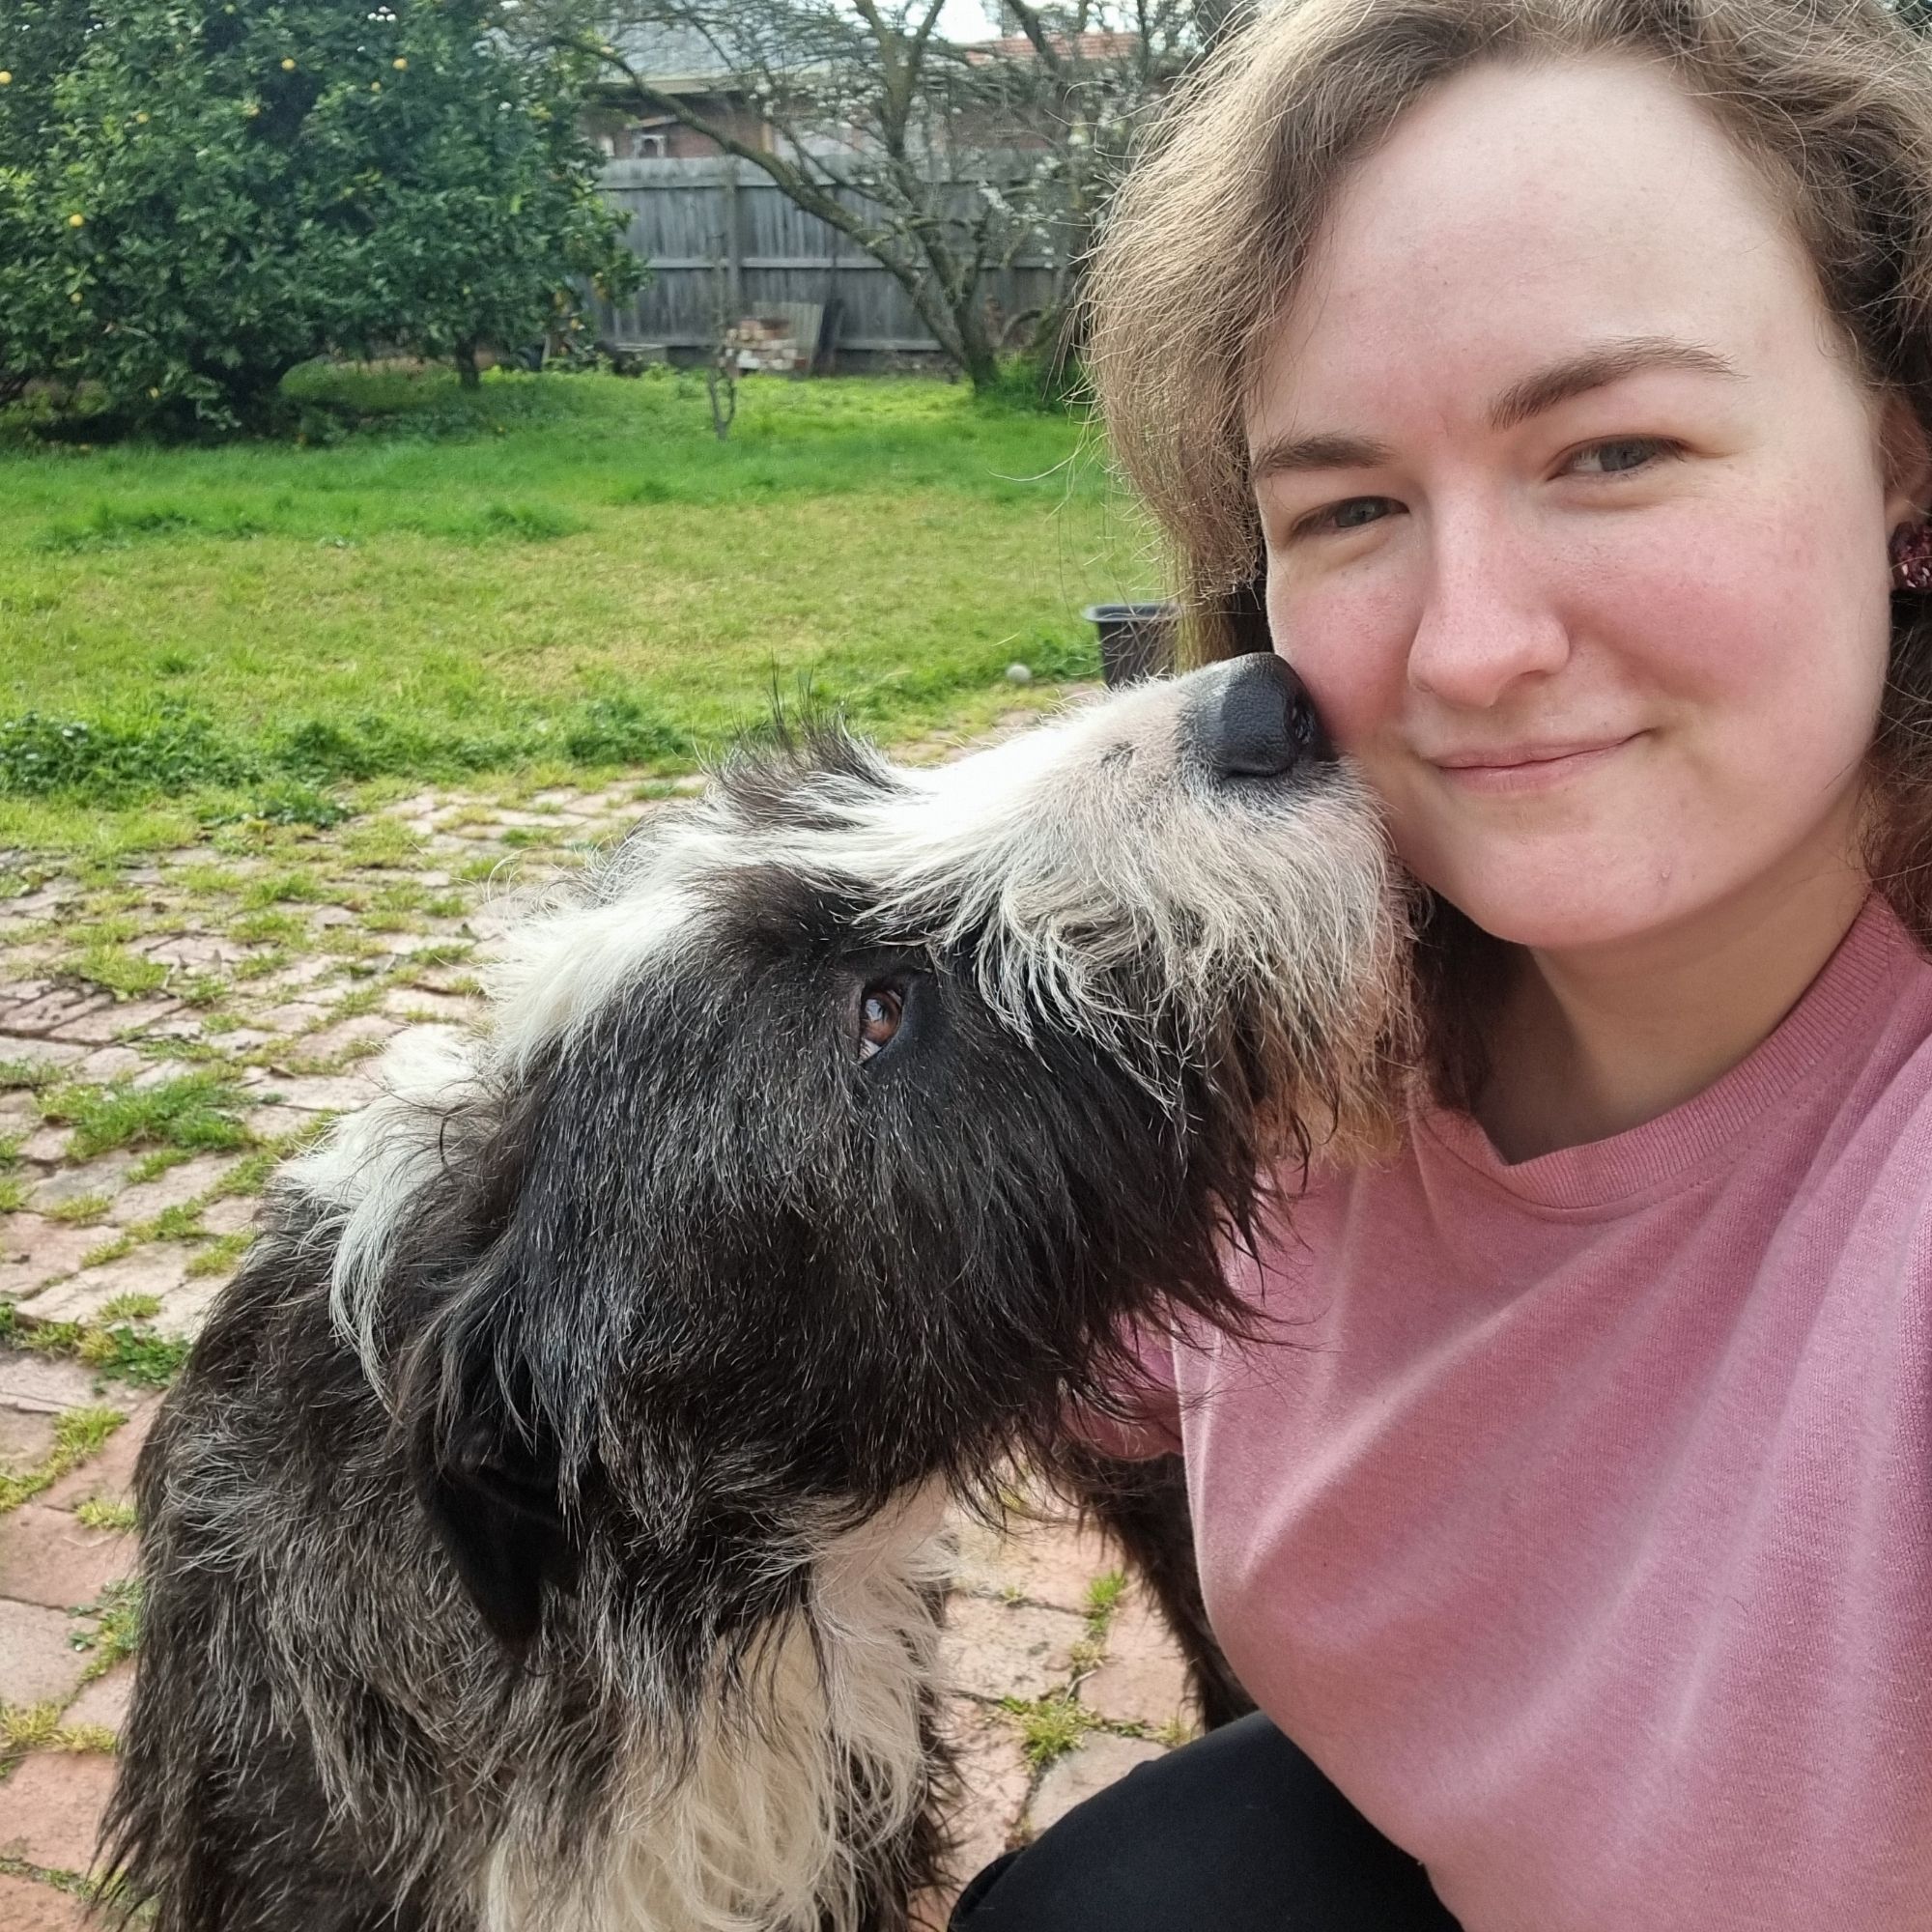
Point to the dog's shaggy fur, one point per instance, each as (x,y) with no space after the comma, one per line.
(545,1530)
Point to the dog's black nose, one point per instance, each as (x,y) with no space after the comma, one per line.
(1254,720)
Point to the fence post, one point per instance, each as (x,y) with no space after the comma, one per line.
(734,246)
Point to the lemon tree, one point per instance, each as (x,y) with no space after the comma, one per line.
(198,196)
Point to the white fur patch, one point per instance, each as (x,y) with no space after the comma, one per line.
(763,1830)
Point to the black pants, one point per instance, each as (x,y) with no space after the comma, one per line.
(1237,1831)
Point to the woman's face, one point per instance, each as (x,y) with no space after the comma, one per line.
(1576,520)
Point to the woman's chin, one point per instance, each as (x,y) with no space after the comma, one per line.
(1559,915)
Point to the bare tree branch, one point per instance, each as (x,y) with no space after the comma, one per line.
(883,129)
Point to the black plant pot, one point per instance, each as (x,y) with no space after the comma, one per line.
(1137,641)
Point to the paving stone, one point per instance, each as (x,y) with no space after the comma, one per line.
(110,1062)
(333,1093)
(100,1025)
(49,899)
(36,954)
(237,1040)
(185,1311)
(105,1175)
(456,979)
(1143,1679)
(437,1008)
(26,1435)
(169,1189)
(43,1385)
(157,1073)
(404,944)
(230,1214)
(195,952)
(998,1650)
(1100,1761)
(271,1122)
(158,1269)
(297,1016)
(50,1808)
(36,1053)
(35,1251)
(104,1701)
(46,1144)
(993,1774)
(494,922)
(47,1557)
(345,1033)
(292,977)
(1049,1562)
(60,1007)
(183,1025)
(28,1906)
(38,1663)
(109,1472)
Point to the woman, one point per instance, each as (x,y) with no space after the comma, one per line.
(1566,363)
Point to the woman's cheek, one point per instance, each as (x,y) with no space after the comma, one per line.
(1349,653)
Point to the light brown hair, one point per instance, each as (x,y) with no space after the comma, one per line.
(1830,99)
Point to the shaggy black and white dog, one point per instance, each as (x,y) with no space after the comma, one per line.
(546,1530)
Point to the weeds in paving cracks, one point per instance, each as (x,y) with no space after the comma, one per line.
(1051,1726)
(193,1112)
(78,1434)
(115,1632)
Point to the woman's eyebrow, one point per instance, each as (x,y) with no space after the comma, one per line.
(1531,395)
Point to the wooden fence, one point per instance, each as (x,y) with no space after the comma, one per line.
(715,231)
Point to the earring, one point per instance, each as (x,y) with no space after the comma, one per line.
(1911,549)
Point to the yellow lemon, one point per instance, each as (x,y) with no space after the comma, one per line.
(375,87)
(154,395)
(142,118)
(399,65)
(288,67)
(76,221)
(75,298)
(6,79)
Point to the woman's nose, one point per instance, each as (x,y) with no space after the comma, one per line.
(1487,619)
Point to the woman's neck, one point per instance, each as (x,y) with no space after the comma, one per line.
(1593,1043)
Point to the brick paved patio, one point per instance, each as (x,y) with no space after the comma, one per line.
(167,1030)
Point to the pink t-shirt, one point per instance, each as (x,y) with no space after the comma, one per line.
(1581,1524)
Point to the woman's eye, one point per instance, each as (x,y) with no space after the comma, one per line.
(1617,457)
(1626,453)
(880,1010)
(1346,516)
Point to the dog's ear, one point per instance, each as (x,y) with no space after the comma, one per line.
(492,1494)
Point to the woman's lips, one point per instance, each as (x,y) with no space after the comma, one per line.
(1526,767)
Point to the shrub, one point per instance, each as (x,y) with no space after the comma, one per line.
(211,193)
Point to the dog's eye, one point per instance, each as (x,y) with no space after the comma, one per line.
(880,1010)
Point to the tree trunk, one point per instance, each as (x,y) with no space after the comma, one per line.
(979,358)
(467,370)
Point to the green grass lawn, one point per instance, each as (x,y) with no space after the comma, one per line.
(552,571)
